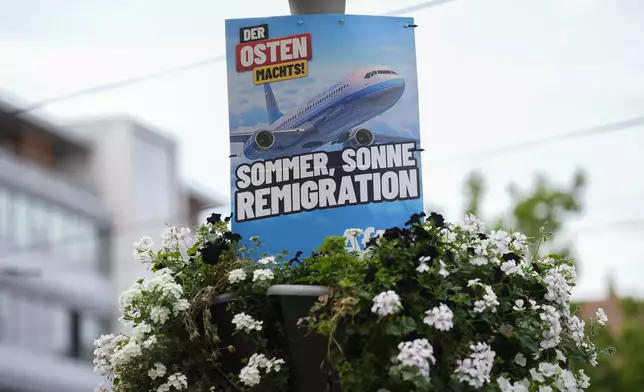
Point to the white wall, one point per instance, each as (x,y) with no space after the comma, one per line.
(135,172)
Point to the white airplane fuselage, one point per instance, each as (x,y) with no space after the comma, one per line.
(333,113)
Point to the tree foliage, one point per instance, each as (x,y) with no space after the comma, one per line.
(544,202)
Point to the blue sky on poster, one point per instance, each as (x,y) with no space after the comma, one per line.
(491,73)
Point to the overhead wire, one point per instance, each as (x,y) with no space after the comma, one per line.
(613,127)
(187,67)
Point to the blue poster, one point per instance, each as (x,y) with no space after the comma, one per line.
(324,128)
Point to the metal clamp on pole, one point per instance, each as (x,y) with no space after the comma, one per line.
(305,7)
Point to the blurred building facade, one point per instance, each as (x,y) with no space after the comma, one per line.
(611,306)
(72,202)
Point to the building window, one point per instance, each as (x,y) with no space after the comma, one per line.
(27,222)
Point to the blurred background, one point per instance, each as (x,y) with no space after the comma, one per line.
(113,123)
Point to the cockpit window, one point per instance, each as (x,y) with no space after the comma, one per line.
(380,71)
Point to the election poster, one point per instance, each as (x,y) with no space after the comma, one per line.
(324,128)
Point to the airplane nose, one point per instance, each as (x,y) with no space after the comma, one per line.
(395,87)
(398,84)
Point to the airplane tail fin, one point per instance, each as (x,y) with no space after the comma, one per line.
(271,104)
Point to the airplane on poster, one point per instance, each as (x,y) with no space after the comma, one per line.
(331,117)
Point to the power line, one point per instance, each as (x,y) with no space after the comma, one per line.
(118,84)
(530,144)
(156,75)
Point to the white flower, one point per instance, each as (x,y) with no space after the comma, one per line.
(161,287)
(179,306)
(548,369)
(519,242)
(142,249)
(584,380)
(151,341)
(140,331)
(422,267)
(552,328)
(480,248)
(536,376)
(500,240)
(506,386)
(566,381)
(267,260)
(576,328)
(557,286)
(106,346)
(489,301)
(475,369)
(443,271)
(545,388)
(518,305)
(520,359)
(424,259)
(173,236)
(177,380)
(560,356)
(510,267)
(274,365)
(246,323)
(126,353)
(479,261)
(473,225)
(157,372)
(250,376)
(590,350)
(440,317)
(159,315)
(601,317)
(262,275)
(448,236)
(386,303)
(417,354)
(473,282)
(236,275)
(127,298)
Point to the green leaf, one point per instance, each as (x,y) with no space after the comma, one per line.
(394,329)
(408,375)
(408,325)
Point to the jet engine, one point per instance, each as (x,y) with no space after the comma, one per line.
(260,142)
(360,138)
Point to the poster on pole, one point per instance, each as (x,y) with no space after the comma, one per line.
(324,128)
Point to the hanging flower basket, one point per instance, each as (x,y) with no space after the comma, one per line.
(307,349)
(222,318)
(431,306)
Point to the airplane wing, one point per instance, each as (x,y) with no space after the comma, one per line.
(379,138)
(385,139)
(241,137)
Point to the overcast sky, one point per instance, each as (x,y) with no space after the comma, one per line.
(491,73)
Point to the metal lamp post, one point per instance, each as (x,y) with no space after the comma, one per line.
(303,7)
